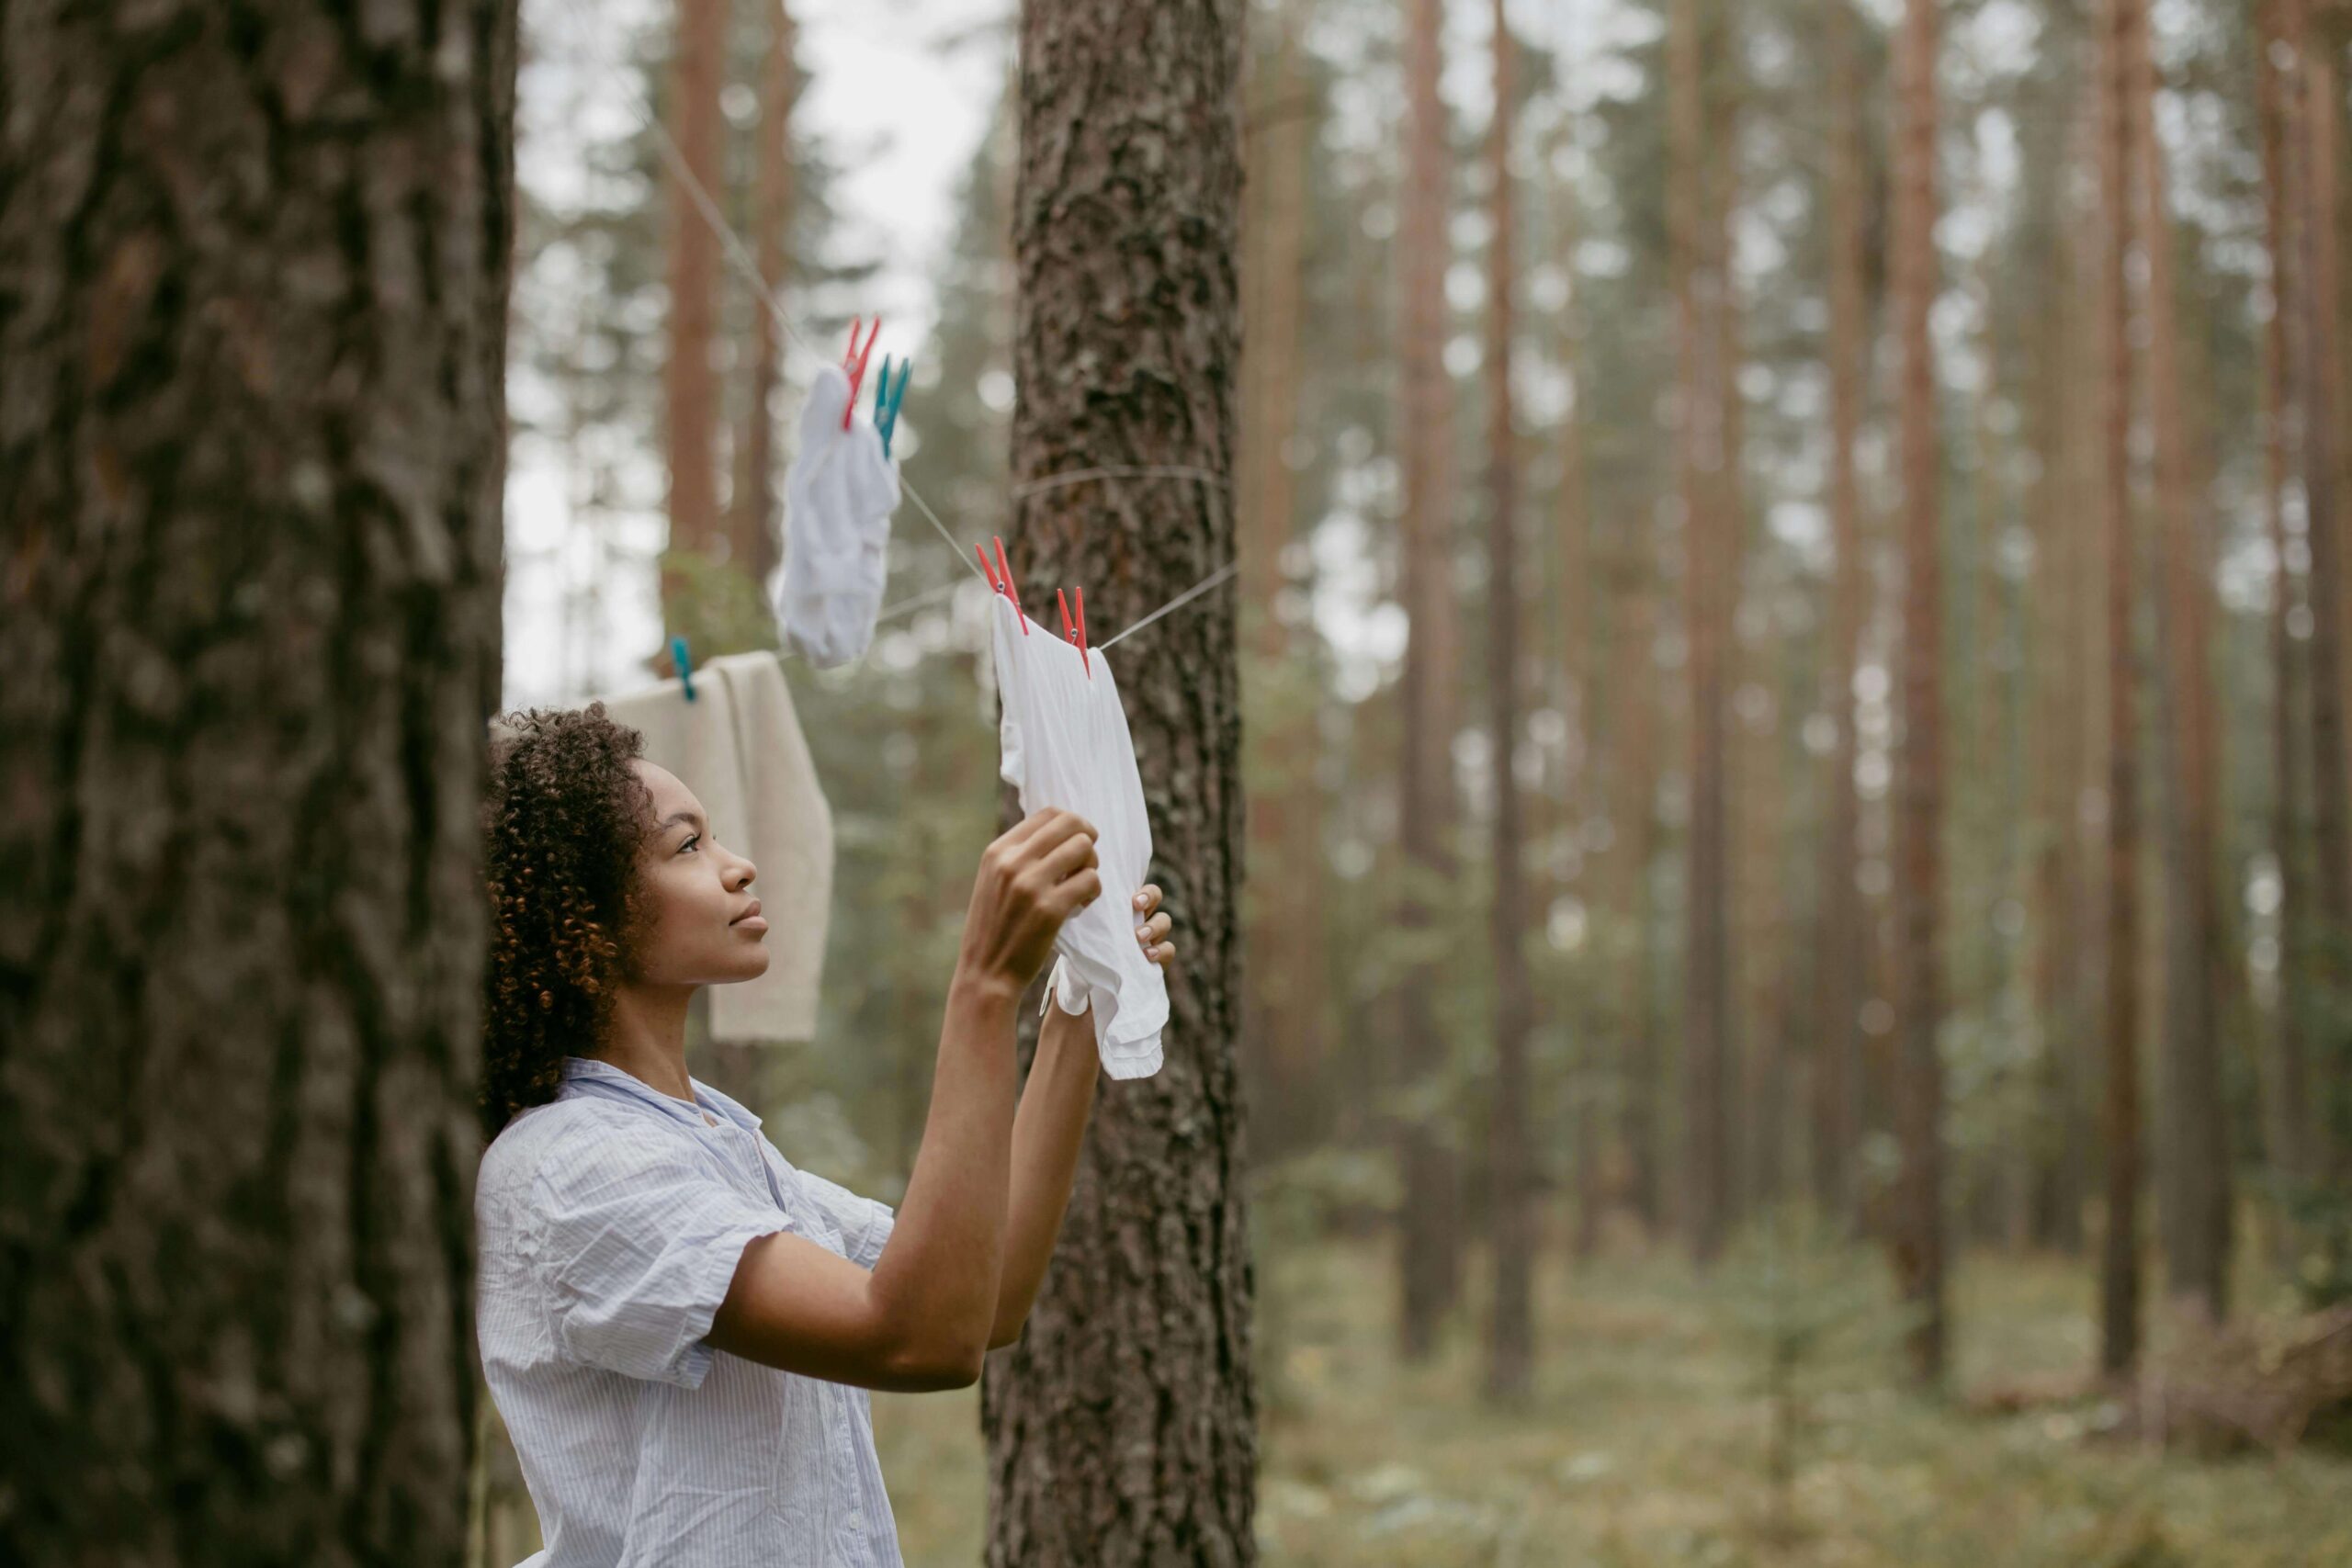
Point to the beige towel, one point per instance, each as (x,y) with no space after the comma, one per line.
(737,745)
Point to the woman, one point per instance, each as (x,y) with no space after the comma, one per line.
(678,1326)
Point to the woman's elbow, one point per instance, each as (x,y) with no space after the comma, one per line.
(937,1369)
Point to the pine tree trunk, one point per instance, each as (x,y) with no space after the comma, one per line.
(1700,286)
(1917,1234)
(1284,1007)
(2312,318)
(757,542)
(252,451)
(2195,1211)
(1428,1245)
(1573,612)
(2120,1246)
(690,390)
(2064,385)
(2316,44)
(1835,1068)
(1511,1342)
(1122,1427)
(2287,1095)
(1634,693)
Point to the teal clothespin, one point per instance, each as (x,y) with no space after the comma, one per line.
(886,399)
(686,666)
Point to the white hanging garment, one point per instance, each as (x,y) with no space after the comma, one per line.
(738,747)
(837,497)
(1065,743)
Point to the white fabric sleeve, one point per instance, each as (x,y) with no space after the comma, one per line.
(637,1244)
(866,1223)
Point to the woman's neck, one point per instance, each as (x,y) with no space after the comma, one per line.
(646,1036)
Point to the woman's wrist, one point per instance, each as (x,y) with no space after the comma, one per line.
(979,982)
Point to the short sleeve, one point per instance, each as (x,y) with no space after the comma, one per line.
(637,1242)
(866,1223)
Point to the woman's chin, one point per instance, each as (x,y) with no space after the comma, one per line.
(748,965)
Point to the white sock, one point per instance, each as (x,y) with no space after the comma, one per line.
(837,497)
(1066,743)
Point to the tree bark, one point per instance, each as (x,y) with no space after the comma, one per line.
(2120,1246)
(2287,1095)
(757,542)
(1122,1427)
(1284,1008)
(2314,44)
(1917,1234)
(1835,1067)
(1634,761)
(690,390)
(254,275)
(2312,313)
(1428,1243)
(1700,288)
(1511,1342)
(2197,1189)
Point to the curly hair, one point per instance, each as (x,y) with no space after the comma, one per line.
(564,820)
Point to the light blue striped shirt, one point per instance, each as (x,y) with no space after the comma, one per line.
(609,1224)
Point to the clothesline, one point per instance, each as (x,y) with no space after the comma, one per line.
(739,254)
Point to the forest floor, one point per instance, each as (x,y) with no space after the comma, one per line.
(1647,1439)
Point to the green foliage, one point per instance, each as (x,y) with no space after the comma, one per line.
(1644,1447)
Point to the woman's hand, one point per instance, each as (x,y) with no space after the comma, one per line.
(1036,875)
(1153,927)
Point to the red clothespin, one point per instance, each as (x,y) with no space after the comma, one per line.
(1069,633)
(986,568)
(1012,589)
(1080,594)
(854,363)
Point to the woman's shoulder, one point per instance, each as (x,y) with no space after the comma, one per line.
(564,1134)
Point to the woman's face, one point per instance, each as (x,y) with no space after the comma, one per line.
(692,929)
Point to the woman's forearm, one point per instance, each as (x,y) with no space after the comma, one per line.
(1048,1129)
(946,1250)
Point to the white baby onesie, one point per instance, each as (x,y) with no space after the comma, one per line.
(837,497)
(1065,743)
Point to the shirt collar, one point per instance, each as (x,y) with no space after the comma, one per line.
(590,1068)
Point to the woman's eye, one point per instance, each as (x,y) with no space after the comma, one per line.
(689,844)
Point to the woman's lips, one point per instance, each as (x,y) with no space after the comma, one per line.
(752,924)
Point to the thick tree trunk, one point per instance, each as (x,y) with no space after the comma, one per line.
(252,451)
(1835,1071)
(1511,1363)
(1700,287)
(1918,1234)
(757,544)
(690,390)
(2196,1190)
(1429,1242)
(2120,1246)
(1122,1427)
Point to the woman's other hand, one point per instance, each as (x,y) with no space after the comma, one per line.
(1152,926)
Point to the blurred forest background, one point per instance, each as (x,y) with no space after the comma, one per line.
(1794,614)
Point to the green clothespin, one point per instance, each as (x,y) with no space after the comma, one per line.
(887,398)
